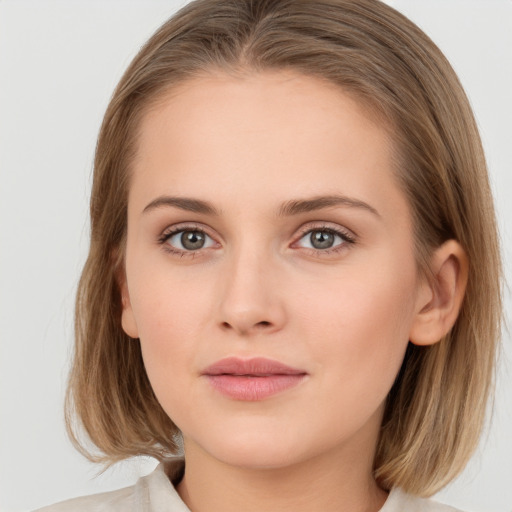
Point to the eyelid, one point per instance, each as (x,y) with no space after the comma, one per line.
(347,236)
(187,226)
(327,226)
(174,229)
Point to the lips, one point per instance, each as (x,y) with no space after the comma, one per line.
(252,379)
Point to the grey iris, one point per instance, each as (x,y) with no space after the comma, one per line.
(321,239)
(192,240)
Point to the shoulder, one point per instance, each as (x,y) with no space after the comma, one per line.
(152,493)
(398,501)
(112,501)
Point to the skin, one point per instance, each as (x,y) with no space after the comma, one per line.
(249,146)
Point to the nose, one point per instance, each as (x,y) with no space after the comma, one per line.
(251,300)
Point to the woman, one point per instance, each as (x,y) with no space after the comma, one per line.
(293,265)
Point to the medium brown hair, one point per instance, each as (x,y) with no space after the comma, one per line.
(435,411)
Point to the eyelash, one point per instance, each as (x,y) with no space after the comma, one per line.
(346,236)
(347,239)
(169,233)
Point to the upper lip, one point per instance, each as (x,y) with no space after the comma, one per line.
(257,367)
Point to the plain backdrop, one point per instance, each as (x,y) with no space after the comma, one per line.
(59,63)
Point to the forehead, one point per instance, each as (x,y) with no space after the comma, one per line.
(237,97)
(261,134)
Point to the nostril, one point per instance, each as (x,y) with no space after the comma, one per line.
(246,328)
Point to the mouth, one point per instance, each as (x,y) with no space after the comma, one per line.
(252,379)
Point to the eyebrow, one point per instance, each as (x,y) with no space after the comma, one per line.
(183,203)
(289,208)
(297,206)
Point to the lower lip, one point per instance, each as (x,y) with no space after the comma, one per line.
(241,387)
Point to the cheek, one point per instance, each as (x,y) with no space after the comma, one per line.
(167,318)
(158,305)
(165,299)
(171,311)
(362,324)
(167,338)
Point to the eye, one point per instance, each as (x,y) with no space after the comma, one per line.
(324,239)
(188,240)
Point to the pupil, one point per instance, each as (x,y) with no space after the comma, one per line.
(321,239)
(192,240)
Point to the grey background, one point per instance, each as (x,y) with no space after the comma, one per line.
(59,62)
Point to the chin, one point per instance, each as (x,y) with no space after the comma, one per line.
(255,450)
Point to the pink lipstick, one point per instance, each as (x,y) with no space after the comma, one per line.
(252,379)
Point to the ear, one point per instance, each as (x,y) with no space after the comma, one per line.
(127,317)
(440,298)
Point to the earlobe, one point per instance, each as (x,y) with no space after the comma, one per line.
(127,317)
(440,298)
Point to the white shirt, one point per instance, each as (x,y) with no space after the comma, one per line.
(156,493)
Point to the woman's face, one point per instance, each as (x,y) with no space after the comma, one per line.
(265,221)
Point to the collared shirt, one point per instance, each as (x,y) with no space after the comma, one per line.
(156,493)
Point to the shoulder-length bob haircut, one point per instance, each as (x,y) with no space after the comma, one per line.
(436,408)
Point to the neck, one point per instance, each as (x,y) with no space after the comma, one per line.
(335,482)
